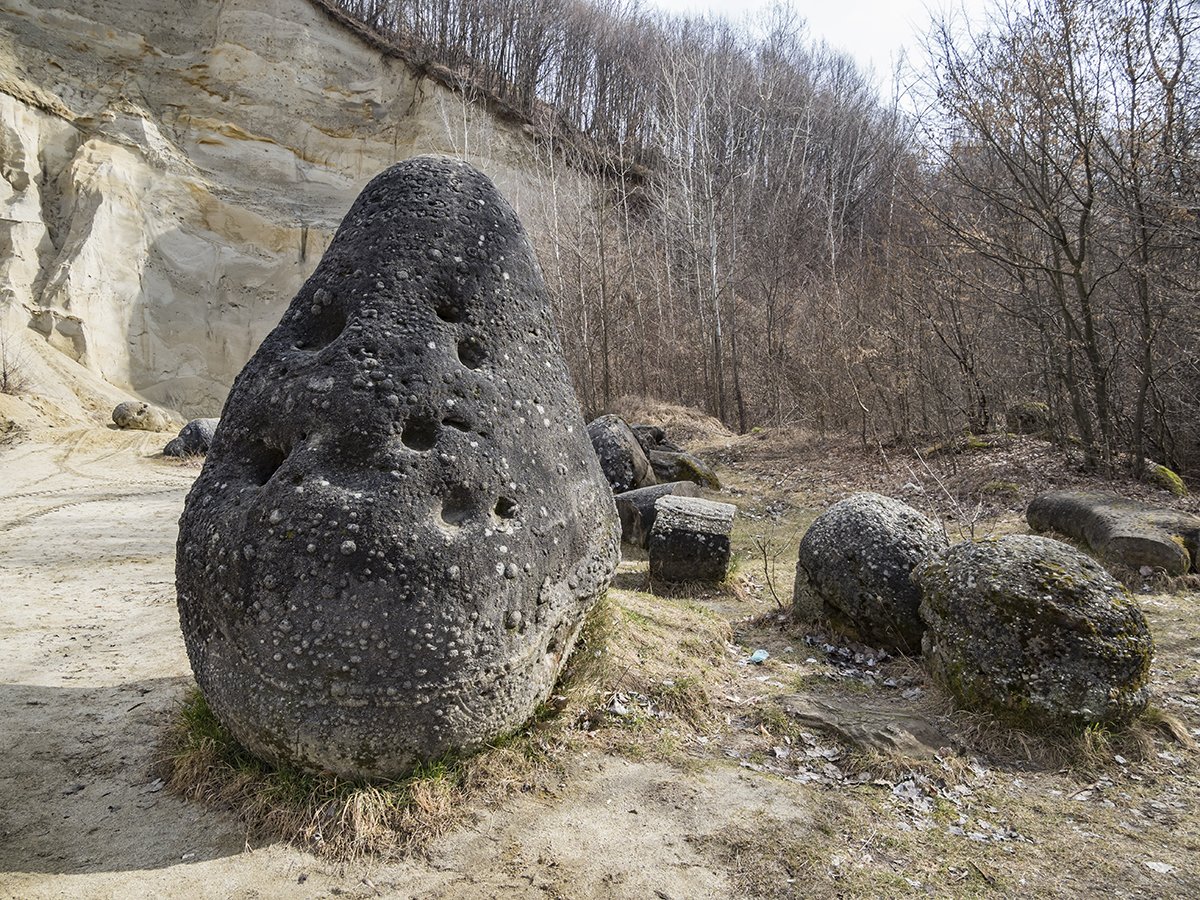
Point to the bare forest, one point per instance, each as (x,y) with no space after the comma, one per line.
(773,240)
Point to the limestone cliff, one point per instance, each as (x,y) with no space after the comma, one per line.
(172,171)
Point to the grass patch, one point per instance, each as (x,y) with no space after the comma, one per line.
(628,677)
(332,816)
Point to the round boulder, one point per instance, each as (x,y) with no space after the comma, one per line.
(140,417)
(400,524)
(621,456)
(1035,632)
(854,569)
(1029,417)
(194,438)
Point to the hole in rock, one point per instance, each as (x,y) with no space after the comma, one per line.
(457,506)
(471,353)
(455,422)
(506,508)
(419,434)
(264,461)
(447,311)
(321,330)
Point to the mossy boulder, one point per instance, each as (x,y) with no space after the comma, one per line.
(854,566)
(1029,417)
(669,466)
(1159,475)
(1034,632)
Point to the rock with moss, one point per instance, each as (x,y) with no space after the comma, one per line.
(194,439)
(1034,632)
(1029,417)
(669,466)
(638,511)
(1160,476)
(652,437)
(1128,532)
(690,539)
(621,457)
(139,416)
(854,566)
(400,525)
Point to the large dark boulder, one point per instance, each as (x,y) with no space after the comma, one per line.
(133,414)
(669,466)
(854,569)
(1123,531)
(690,539)
(194,438)
(400,524)
(621,456)
(1035,632)
(637,508)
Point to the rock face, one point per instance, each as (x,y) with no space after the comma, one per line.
(1124,531)
(174,170)
(194,438)
(690,539)
(400,525)
(140,416)
(638,512)
(854,566)
(1035,632)
(670,466)
(621,456)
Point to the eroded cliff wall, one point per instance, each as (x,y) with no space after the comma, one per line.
(172,171)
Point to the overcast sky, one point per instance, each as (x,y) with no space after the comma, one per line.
(872,31)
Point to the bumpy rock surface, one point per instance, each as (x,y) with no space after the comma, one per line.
(194,438)
(621,456)
(1035,632)
(140,416)
(854,569)
(400,524)
(670,466)
(1124,531)
(690,539)
(638,512)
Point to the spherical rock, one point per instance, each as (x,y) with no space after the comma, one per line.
(140,417)
(621,456)
(854,566)
(1035,632)
(194,438)
(400,524)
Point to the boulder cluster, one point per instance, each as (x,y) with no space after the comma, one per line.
(656,486)
(1024,627)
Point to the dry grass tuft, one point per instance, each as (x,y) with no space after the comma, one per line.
(630,651)
(337,818)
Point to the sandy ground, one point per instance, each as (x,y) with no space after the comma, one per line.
(93,664)
(766,801)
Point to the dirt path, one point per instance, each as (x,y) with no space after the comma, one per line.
(93,663)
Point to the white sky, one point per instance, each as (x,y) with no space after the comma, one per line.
(872,31)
